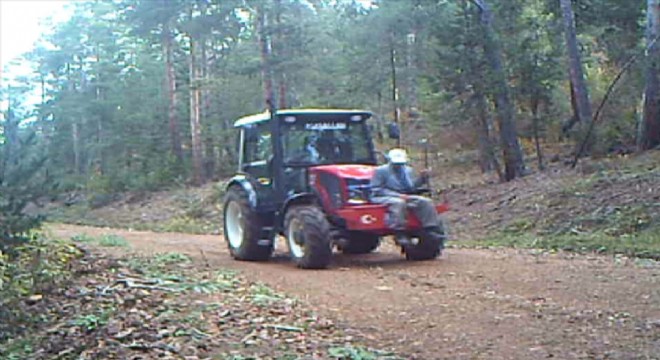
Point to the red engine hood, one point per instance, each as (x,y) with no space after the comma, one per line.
(364,172)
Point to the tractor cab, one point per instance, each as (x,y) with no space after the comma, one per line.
(306,139)
(304,174)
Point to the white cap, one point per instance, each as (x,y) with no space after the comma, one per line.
(398,156)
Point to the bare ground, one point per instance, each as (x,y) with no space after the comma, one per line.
(491,304)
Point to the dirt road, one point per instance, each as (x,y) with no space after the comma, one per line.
(469,304)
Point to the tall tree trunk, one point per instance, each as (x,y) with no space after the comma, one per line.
(278,45)
(283,103)
(175,136)
(11,137)
(576,72)
(195,124)
(568,124)
(514,165)
(209,153)
(395,91)
(75,134)
(75,131)
(99,120)
(650,129)
(379,125)
(534,105)
(411,66)
(264,44)
(487,159)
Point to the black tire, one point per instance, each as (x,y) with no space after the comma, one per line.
(360,243)
(308,224)
(242,231)
(430,244)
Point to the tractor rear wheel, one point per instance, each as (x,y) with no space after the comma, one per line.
(360,243)
(242,228)
(308,235)
(427,244)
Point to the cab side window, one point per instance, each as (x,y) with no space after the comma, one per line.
(258,145)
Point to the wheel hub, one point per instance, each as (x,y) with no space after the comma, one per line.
(296,238)
(234,222)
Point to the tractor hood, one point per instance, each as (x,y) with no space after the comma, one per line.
(360,172)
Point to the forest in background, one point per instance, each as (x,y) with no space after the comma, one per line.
(142,94)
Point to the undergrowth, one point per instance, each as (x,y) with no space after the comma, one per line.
(32,270)
(613,210)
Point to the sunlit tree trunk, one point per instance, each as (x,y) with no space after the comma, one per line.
(578,83)
(195,123)
(175,137)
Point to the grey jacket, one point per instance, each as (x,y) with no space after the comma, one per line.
(385,182)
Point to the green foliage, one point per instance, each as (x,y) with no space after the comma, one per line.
(112,240)
(21,182)
(171,258)
(105,119)
(644,244)
(82,238)
(91,322)
(263,295)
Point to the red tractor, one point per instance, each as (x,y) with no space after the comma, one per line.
(305,174)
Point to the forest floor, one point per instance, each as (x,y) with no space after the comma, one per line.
(556,264)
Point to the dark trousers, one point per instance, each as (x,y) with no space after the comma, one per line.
(421,206)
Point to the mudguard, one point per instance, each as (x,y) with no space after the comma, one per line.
(242,181)
(302,198)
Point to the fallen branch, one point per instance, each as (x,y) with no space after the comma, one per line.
(138,284)
(284,327)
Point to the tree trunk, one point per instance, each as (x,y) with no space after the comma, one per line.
(99,169)
(568,124)
(578,82)
(650,129)
(175,137)
(264,43)
(514,165)
(11,137)
(282,91)
(487,160)
(75,131)
(411,65)
(278,44)
(534,104)
(209,154)
(195,124)
(395,97)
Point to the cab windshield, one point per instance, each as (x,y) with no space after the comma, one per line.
(327,141)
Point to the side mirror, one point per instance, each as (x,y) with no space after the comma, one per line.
(393,131)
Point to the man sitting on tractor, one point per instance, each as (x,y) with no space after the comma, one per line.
(394,184)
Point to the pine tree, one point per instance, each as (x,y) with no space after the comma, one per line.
(19,178)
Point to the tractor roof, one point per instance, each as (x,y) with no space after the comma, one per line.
(265,116)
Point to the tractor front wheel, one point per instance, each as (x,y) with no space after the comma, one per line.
(242,228)
(308,235)
(427,245)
